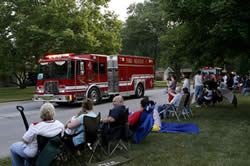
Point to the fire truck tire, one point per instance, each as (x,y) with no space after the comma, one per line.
(94,95)
(139,92)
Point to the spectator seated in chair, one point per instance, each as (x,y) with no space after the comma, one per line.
(74,128)
(141,122)
(206,97)
(138,117)
(22,152)
(174,103)
(117,117)
(246,86)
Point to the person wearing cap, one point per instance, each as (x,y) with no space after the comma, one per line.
(27,148)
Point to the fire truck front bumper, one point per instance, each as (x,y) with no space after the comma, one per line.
(52,98)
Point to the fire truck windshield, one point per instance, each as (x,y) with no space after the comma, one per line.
(56,70)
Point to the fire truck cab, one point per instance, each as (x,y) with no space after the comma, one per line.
(213,70)
(69,78)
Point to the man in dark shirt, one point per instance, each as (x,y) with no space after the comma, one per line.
(118,115)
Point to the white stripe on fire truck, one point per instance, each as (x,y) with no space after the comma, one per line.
(149,65)
(105,84)
(136,76)
(83,88)
(76,87)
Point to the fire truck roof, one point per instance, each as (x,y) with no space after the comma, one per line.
(88,57)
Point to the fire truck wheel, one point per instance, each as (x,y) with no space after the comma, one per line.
(94,95)
(139,91)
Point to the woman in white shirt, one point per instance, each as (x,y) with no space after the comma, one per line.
(22,151)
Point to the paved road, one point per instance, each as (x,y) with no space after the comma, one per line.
(12,127)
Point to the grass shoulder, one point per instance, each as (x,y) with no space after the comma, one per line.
(16,94)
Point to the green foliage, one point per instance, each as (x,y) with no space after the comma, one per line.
(143,29)
(30,29)
(209,31)
(194,33)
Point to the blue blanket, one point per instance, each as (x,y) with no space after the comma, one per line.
(179,128)
(144,128)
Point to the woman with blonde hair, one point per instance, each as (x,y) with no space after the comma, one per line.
(76,124)
(28,147)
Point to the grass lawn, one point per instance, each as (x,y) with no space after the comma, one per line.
(16,94)
(223,140)
(165,83)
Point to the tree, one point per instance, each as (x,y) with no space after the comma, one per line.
(207,32)
(143,28)
(31,29)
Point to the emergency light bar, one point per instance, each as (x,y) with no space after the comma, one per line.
(206,68)
(58,56)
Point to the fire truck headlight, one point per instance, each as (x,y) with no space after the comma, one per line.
(40,89)
(61,90)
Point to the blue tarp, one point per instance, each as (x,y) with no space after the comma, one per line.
(144,128)
(179,128)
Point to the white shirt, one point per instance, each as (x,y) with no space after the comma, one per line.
(223,85)
(198,80)
(71,131)
(186,84)
(209,94)
(157,119)
(176,100)
(225,79)
(236,79)
(47,129)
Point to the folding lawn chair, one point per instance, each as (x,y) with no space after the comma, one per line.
(120,140)
(177,111)
(187,109)
(48,150)
(93,135)
(48,147)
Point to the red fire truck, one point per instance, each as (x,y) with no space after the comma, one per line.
(213,70)
(216,71)
(69,78)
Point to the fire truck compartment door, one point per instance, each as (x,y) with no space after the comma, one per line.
(113,80)
(113,74)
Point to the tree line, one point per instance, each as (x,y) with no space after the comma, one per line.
(176,33)
(190,33)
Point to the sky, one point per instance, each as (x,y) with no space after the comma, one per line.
(120,7)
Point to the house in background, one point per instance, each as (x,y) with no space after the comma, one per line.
(159,74)
(185,71)
(162,74)
(167,73)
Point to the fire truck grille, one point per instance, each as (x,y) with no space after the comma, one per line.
(51,87)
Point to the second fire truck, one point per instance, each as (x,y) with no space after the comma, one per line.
(69,78)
